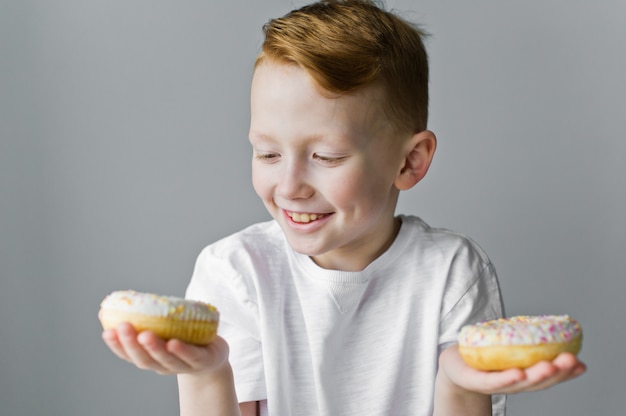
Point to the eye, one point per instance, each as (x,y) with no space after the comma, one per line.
(328,159)
(266,156)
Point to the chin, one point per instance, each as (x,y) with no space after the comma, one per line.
(305,248)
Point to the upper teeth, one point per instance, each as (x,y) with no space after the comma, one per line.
(304,217)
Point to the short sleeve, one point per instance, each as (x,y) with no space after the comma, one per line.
(480,301)
(217,282)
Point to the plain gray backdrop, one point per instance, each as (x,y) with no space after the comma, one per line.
(123,152)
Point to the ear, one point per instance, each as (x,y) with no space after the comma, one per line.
(418,155)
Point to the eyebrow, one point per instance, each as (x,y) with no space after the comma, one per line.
(320,138)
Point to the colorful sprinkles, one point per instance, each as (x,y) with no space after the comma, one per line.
(521,330)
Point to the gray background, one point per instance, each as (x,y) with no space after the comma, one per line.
(123,152)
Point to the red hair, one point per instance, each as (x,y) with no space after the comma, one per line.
(350,44)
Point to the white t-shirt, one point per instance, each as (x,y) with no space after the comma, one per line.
(312,341)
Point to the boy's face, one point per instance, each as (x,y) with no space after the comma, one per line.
(325,167)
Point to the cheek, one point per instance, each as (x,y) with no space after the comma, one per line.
(347,190)
(364,191)
(260,183)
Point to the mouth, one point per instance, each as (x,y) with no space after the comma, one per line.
(304,217)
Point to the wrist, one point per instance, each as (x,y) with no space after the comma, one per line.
(452,399)
(221,374)
(213,389)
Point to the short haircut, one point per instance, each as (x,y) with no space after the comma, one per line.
(346,45)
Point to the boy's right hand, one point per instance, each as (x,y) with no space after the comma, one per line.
(147,351)
(205,377)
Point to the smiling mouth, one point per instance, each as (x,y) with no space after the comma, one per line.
(303,217)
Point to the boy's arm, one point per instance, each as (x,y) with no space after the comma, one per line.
(208,394)
(248,408)
(450,399)
(204,373)
(459,388)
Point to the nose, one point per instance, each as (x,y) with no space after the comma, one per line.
(293,181)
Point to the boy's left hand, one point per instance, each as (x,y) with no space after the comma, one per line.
(542,375)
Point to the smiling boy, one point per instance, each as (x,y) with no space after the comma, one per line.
(329,169)
(338,306)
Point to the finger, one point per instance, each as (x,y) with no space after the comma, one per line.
(569,362)
(112,341)
(157,349)
(546,374)
(193,357)
(500,381)
(538,377)
(200,357)
(134,350)
(566,367)
(580,369)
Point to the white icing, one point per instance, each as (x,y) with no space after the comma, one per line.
(157,305)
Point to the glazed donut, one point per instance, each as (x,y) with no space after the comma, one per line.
(518,342)
(167,316)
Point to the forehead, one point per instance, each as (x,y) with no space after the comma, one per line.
(284,95)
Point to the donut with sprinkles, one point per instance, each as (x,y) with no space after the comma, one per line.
(518,342)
